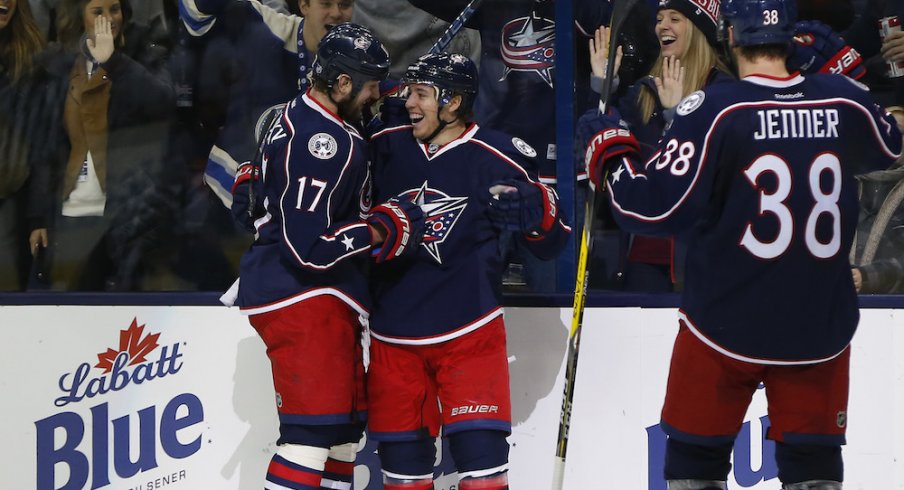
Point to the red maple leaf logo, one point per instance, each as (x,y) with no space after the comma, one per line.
(130,341)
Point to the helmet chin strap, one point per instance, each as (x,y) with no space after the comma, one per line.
(442,125)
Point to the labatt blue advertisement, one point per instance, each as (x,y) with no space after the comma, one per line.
(129,398)
(138,359)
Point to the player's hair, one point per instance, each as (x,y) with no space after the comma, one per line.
(698,59)
(767,51)
(71,23)
(20,41)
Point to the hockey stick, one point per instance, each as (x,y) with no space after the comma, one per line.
(455,27)
(619,14)
(262,128)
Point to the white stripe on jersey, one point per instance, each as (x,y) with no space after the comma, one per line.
(310,293)
(444,337)
(753,360)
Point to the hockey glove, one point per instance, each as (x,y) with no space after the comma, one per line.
(403,223)
(529,208)
(819,49)
(247,185)
(609,138)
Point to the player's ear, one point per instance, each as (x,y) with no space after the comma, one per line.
(344,84)
(454,104)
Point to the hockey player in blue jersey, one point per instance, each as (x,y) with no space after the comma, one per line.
(438,354)
(304,279)
(758,174)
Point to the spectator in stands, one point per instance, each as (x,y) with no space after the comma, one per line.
(863,35)
(44,12)
(880,235)
(517,92)
(688,61)
(274,54)
(410,32)
(20,131)
(97,204)
(145,13)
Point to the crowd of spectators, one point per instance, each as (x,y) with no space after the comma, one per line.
(122,123)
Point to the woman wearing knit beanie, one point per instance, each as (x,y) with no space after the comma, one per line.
(688,60)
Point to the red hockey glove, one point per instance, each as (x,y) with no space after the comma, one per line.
(610,141)
(403,222)
(529,208)
(819,49)
(247,175)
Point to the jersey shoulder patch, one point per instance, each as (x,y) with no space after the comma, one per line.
(524,148)
(323,146)
(691,103)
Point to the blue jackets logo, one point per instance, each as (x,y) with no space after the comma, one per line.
(117,445)
(441,212)
(528,44)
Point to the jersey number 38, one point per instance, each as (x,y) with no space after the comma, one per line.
(775,203)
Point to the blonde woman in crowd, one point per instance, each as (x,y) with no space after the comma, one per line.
(687,62)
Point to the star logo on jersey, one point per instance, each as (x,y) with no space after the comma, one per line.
(323,146)
(528,44)
(441,212)
(348,242)
(617,174)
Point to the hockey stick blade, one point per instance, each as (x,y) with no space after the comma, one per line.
(455,27)
(619,13)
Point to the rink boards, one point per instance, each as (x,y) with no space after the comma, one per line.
(179,397)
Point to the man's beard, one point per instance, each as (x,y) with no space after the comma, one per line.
(348,110)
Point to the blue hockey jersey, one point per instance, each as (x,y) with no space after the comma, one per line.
(453,285)
(313,239)
(759,174)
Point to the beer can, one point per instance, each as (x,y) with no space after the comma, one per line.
(887,25)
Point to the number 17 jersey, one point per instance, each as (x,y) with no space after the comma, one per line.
(758,175)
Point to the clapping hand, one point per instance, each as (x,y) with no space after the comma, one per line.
(671,85)
(599,52)
(101,46)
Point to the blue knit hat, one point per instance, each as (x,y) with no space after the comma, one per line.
(703,13)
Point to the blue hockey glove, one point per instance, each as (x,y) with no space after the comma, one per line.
(389,109)
(608,139)
(819,49)
(403,223)
(530,208)
(246,176)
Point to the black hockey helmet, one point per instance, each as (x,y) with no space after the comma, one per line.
(353,50)
(449,74)
(758,22)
